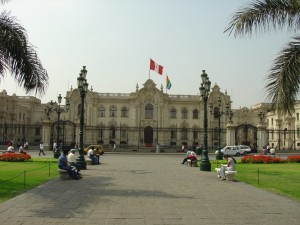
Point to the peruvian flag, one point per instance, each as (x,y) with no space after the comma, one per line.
(157,68)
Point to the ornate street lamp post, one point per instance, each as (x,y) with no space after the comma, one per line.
(58,110)
(83,88)
(219,155)
(204,92)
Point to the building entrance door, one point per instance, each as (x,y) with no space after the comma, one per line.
(148,136)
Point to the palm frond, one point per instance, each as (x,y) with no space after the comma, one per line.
(19,57)
(4,1)
(284,78)
(263,15)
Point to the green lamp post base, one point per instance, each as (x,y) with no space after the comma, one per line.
(56,154)
(219,155)
(81,160)
(205,166)
(205,163)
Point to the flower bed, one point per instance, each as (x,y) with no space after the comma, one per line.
(14,157)
(261,159)
(293,158)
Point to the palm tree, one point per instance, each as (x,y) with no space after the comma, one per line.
(283,79)
(18,56)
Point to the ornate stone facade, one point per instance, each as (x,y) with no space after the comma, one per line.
(145,118)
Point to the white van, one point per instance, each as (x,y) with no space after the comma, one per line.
(231,150)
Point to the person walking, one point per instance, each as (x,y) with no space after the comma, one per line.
(182,148)
(41,149)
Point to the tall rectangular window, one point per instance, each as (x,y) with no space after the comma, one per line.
(184,134)
(123,133)
(37,131)
(173,134)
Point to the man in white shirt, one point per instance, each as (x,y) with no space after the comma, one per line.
(41,149)
(90,153)
(72,160)
(272,151)
(54,146)
(10,148)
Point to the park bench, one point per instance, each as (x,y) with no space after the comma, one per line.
(63,174)
(88,161)
(229,174)
(192,163)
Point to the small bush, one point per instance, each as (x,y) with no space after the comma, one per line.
(14,157)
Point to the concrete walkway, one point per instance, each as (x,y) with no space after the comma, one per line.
(147,190)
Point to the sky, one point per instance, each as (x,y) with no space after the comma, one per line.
(115,40)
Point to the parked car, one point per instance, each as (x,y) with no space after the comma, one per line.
(244,149)
(231,150)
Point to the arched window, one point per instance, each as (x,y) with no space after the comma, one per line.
(124,112)
(173,113)
(216,112)
(113,111)
(184,114)
(195,114)
(149,111)
(101,111)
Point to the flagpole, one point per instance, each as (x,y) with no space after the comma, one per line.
(149,69)
(166,84)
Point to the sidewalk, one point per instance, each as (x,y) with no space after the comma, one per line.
(152,189)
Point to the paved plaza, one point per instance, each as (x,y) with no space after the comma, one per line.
(147,189)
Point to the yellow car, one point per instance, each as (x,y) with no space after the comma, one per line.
(100,147)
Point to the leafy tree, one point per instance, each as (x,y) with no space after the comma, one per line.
(18,56)
(283,79)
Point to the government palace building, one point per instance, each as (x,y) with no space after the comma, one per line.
(146,118)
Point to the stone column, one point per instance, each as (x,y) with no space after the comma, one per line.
(46,134)
(230,135)
(261,136)
(289,133)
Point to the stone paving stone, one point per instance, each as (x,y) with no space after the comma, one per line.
(147,189)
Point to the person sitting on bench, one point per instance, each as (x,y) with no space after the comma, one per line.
(92,156)
(230,166)
(72,160)
(63,165)
(190,155)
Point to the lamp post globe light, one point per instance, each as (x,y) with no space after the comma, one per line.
(204,92)
(58,110)
(83,88)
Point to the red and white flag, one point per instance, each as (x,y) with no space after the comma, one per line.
(157,68)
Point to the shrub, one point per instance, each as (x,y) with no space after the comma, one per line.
(293,158)
(14,157)
(261,159)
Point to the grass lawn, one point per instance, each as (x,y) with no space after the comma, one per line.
(281,178)
(17,177)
